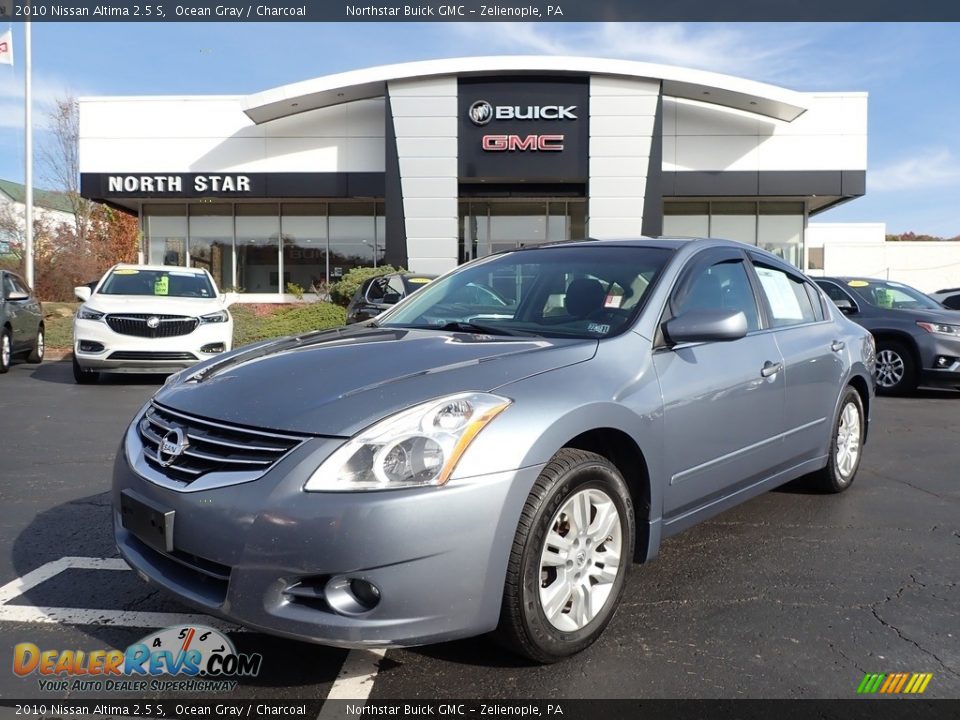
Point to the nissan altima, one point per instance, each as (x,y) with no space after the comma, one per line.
(444,471)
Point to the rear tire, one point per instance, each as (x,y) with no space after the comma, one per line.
(846,446)
(896,371)
(39,346)
(84,377)
(570,556)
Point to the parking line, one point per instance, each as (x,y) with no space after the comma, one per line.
(89,616)
(353,682)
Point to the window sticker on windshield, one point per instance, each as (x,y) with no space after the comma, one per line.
(613,301)
(182,273)
(126,271)
(597,328)
(418,281)
(776,286)
(161,286)
(858,283)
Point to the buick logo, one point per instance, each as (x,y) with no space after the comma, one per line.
(153,322)
(481,112)
(172,446)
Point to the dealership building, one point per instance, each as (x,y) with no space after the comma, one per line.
(429,164)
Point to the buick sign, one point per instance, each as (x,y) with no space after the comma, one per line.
(481,112)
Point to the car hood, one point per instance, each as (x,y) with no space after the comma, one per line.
(154,304)
(338,382)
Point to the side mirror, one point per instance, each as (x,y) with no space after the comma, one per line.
(82,292)
(706,326)
(16,296)
(845,306)
(391,298)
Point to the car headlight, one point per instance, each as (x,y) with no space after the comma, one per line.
(417,447)
(220,316)
(940,328)
(88,313)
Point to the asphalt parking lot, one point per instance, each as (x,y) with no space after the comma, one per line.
(790,595)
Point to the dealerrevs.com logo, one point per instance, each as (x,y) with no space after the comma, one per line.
(206,657)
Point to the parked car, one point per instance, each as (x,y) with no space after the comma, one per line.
(21,322)
(948,297)
(148,319)
(918,340)
(376,294)
(435,473)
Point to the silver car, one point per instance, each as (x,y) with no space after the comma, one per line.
(449,469)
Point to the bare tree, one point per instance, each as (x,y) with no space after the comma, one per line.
(60,160)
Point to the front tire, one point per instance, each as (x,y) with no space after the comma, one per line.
(39,346)
(83,377)
(846,447)
(896,370)
(569,560)
(6,350)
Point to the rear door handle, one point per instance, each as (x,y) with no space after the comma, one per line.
(770,368)
(837,345)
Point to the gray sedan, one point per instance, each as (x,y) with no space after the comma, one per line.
(445,471)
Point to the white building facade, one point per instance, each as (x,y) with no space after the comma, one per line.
(429,164)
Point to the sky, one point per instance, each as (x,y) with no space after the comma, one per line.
(910,70)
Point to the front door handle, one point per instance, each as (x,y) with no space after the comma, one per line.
(837,345)
(770,368)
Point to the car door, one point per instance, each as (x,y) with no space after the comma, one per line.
(813,355)
(17,313)
(723,402)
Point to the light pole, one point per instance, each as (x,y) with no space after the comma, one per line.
(28,153)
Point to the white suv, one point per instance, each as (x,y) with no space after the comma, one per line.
(148,319)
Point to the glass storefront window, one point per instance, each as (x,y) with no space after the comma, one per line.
(166,229)
(776,226)
(356,238)
(258,248)
(211,241)
(489,225)
(304,230)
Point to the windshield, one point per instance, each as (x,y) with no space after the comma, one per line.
(577,291)
(892,295)
(167,283)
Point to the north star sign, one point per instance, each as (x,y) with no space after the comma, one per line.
(174,183)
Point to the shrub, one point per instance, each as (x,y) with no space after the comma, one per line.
(248,326)
(295,290)
(342,291)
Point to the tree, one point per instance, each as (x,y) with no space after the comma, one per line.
(60,160)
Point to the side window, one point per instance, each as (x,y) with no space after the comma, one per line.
(787,296)
(723,286)
(834,292)
(18,284)
(815,301)
(7,286)
(952,302)
(395,285)
(376,290)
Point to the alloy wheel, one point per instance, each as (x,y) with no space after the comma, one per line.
(580,560)
(4,350)
(40,346)
(890,368)
(848,441)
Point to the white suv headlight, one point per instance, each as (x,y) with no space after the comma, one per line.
(88,313)
(417,447)
(217,317)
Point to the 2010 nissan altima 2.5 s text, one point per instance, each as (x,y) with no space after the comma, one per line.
(449,468)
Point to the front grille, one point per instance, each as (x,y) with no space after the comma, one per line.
(203,577)
(210,446)
(166,325)
(148,355)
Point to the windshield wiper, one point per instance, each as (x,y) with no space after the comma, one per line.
(465,326)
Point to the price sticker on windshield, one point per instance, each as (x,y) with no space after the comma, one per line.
(161,286)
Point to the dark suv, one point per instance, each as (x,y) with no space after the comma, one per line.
(21,321)
(918,340)
(376,294)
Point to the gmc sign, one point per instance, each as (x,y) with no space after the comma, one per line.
(508,143)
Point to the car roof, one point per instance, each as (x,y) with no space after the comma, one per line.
(162,268)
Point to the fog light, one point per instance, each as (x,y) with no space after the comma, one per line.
(945,361)
(351,596)
(213,348)
(90,346)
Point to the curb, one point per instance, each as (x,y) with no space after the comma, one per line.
(57,353)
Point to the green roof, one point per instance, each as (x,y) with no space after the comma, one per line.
(49,199)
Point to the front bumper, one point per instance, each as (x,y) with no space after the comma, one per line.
(437,555)
(941,362)
(131,353)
